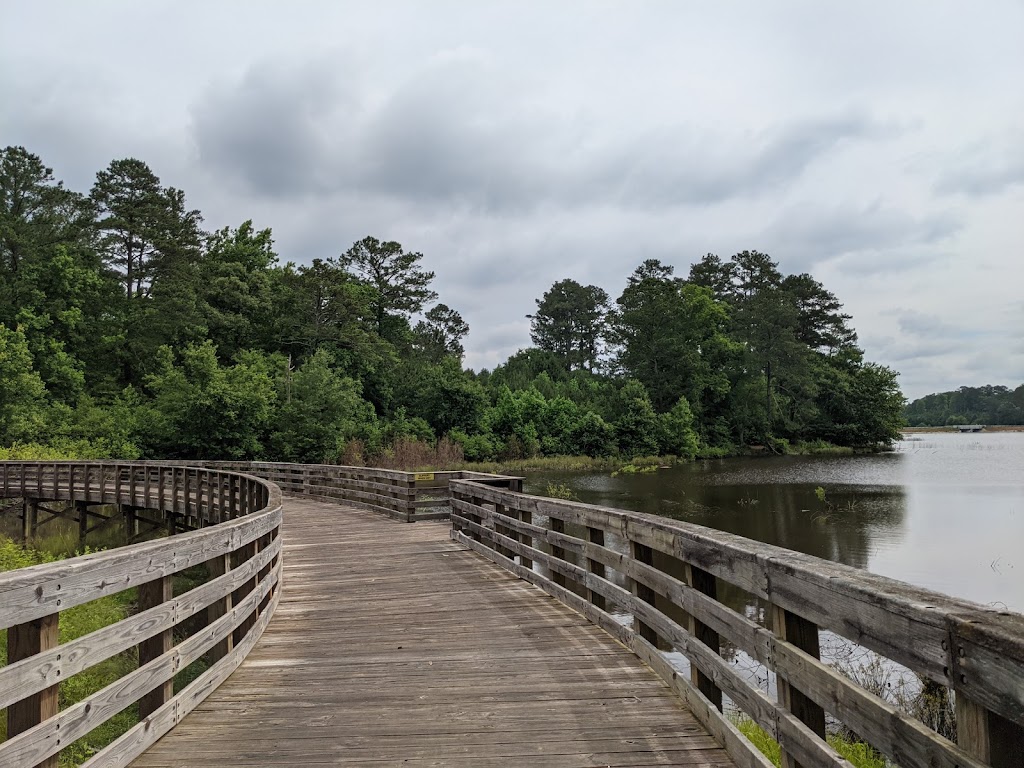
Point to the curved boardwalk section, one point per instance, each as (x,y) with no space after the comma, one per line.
(393,645)
(231,523)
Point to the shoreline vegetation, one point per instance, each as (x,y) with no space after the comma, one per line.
(131,328)
(988,428)
(988,404)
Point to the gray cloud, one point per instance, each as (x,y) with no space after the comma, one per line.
(870,239)
(269,131)
(448,137)
(930,326)
(981,171)
(517,144)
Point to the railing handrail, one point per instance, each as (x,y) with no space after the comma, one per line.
(976,651)
(405,495)
(237,518)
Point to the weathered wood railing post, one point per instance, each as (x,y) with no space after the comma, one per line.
(262,545)
(23,641)
(410,498)
(152,594)
(704,582)
(596,536)
(986,736)
(242,554)
(643,554)
(116,471)
(499,511)
(219,566)
(557,526)
(526,516)
(798,631)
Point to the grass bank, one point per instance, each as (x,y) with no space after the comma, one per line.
(623,465)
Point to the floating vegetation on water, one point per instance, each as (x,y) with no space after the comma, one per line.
(644,465)
(560,491)
(633,469)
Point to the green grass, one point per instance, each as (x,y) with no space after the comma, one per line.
(646,463)
(819,448)
(67,449)
(542,464)
(570,464)
(74,623)
(859,754)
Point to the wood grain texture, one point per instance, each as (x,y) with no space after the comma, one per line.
(973,649)
(24,641)
(878,612)
(393,645)
(32,598)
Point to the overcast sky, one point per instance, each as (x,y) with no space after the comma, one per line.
(879,146)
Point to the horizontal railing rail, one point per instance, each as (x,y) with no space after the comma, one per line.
(611,565)
(406,496)
(230,522)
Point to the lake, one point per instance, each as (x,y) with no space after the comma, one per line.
(943,510)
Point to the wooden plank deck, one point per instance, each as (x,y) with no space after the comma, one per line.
(394,646)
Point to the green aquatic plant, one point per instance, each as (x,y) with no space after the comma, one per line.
(560,491)
(859,754)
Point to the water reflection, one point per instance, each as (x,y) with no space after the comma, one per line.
(945,511)
(842,528)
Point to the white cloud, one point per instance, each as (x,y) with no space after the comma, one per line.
(517,143)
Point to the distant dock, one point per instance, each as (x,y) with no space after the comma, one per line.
(970,427)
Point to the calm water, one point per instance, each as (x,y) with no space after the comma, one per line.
(944,511)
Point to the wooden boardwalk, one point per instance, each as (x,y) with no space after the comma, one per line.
(394,646)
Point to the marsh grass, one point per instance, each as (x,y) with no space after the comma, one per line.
(859,754)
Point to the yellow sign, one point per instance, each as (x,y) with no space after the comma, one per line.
(424,475)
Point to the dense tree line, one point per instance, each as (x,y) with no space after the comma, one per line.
(968,405)
(127,329)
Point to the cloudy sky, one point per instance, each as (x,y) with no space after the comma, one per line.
(879,146)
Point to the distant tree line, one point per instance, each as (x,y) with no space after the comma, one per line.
(127,330)
(968,405)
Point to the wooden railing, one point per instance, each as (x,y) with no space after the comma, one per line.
(235,521)
(405,496)
(653,584)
